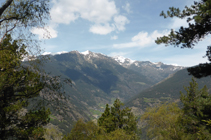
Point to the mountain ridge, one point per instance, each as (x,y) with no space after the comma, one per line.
(99,79)
(120,59)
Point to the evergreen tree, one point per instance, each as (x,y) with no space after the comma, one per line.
(116,118)
(19,84)
(200,13)
(106,121)
(196,112)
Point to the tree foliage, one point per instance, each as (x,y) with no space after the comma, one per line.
(197,111)
(19,17)
(114,124)
(52,133)
(18,84)
(24,87)
(91,131)
(200,14)
(116,118)
(82,130)
(162,121)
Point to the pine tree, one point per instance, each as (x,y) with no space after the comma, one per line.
(197,111)
(117,118)
(18,84)
(105,120)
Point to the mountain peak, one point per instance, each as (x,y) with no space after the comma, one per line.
(123,61)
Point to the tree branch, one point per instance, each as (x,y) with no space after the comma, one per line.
(7,32)
(4,7)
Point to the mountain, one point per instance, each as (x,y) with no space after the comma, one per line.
(98,79)
(99,73)
(166,90)
(122,79)
(155,72)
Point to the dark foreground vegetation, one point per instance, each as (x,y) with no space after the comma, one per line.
(23,85)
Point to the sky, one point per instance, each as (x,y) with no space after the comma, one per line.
(125,28)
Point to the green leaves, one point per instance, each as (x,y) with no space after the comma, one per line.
(162,121)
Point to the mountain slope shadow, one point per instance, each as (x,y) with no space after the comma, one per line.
(103,80)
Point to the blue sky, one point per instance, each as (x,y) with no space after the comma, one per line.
(118,27)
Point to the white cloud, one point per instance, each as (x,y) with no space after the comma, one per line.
(101,29)
(99,12)
(45,33)
(127,7)
(114,37)
(120,22)
(142,39)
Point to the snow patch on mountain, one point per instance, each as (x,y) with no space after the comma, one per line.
(137,64)
(177,68)
(88,54)
(122,60)
(85,53)
(57,53)
(47,53)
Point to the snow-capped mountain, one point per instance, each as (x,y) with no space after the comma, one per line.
(123,61)
(153,71)
(127,62)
